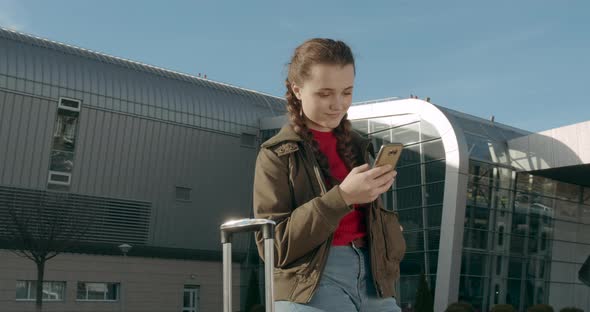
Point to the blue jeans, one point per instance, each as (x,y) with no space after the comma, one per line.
(346,285)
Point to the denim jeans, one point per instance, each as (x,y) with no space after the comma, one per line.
(346,285)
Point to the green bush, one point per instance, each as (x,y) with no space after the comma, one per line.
(571,309)
(424,301)
(503,308)
(540,308)
(460,307)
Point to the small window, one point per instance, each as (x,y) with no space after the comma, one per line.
(183,193)
(501,235)
(69,104)
(52,291)
(498,265)
(59,178)
(91,291)
(247,140)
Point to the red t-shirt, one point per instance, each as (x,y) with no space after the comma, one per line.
(352,225)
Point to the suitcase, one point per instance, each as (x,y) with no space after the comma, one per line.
(267,227)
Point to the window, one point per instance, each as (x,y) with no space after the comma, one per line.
(63,144)
(98,291)
(183,193)
(496,293)
(52,291)
(248,140)
(500,235)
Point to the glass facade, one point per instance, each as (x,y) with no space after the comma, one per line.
(524,238)
(417,194)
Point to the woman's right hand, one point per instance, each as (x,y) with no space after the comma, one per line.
(364,184)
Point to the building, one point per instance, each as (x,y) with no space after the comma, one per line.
(160,159)
(491,213)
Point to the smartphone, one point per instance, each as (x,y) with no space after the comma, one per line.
(389,154)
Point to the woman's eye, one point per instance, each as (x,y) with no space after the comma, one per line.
(324,94)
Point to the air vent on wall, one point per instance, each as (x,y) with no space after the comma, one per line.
(69,104)
(114,220)
(60,178)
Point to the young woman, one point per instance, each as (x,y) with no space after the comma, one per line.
(337,248)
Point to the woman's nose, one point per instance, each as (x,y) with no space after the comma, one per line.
(339,103)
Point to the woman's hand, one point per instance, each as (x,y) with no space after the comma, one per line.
(363,184)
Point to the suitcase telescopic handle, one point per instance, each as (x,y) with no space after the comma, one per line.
(267,227)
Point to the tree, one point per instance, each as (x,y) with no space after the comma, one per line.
(424,301)
(44,225)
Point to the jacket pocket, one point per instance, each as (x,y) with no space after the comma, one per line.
(395,244)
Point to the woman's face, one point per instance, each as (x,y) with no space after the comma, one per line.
(326,95)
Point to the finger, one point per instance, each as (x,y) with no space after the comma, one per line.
(361,168)
(394,172)
(386,178)
(379,171)
(384,187)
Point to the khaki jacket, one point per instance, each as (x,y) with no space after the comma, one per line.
(289,189)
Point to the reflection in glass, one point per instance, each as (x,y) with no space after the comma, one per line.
(409,197)
(411,219)
(64,136)
(410,155)
(435,171)
(414,241)
(434,193)
(407,134)
(434,214)
(428,131)
(61,161)
(408,176)
(433,150)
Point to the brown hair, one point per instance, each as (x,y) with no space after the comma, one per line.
(312,52)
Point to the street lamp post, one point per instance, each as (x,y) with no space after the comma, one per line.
(125,248)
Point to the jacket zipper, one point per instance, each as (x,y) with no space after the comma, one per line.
(323,190)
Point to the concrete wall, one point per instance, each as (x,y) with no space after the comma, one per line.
(147,284)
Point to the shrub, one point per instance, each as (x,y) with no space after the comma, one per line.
(503,308)
(460,307)
(424,301)
(571,309)
(540,308)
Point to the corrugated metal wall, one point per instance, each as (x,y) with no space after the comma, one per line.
(26,125)
(142,132)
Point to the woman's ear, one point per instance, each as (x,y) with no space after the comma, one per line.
(297,90)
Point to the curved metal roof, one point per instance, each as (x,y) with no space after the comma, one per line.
(50,69)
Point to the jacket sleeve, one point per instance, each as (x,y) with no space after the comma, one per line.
(299,229)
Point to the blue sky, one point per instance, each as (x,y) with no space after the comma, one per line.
(526,62)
